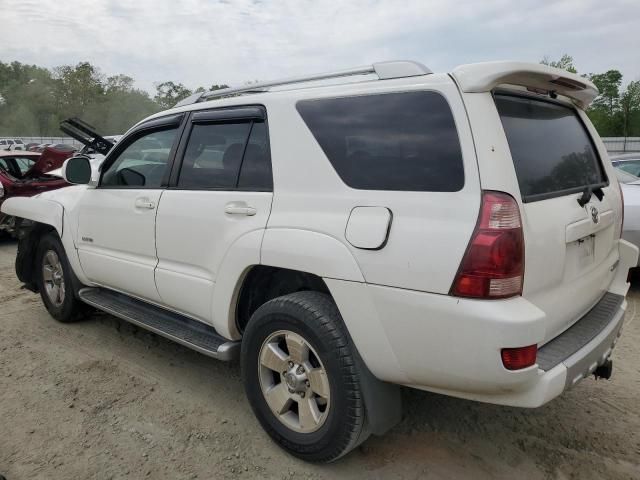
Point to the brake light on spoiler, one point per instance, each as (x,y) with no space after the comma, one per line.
(493,265)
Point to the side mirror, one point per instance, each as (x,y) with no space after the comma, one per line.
(77,170)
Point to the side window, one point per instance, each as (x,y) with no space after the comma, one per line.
(24,164)
(255,173)
(395,141)
(213,155)
(227,156)
(143,163)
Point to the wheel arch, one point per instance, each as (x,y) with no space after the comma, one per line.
(38,210)
(262,283)
(312,255)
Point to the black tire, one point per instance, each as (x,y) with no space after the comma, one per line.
(315,317)
(71,309)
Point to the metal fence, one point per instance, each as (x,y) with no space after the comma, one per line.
(622,144)
(66,140)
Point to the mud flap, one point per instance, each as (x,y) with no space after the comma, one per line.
(382,400)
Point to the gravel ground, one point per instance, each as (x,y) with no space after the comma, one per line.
(102,399)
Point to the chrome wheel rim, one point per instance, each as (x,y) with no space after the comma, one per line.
(294,382)
(53,278)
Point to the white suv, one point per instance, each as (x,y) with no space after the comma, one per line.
(11,144)
(346,233)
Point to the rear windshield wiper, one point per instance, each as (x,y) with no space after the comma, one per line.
(588,191)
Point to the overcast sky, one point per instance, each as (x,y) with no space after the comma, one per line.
(200,42)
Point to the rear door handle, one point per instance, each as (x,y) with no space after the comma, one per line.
(145,203)
(239,208)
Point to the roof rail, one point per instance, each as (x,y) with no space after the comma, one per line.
(384,70)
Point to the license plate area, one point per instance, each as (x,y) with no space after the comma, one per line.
(587,250)
(580,256)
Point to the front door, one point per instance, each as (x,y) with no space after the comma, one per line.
(117,220)
(221,191)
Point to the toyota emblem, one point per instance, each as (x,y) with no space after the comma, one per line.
(595,215)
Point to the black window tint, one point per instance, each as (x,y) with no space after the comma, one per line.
(213,155)
(397,141)
(256,166)
(143,163)
(551,149)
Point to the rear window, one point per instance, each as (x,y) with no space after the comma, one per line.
(396,141)
(552,152)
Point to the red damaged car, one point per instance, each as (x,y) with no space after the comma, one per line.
(23,174)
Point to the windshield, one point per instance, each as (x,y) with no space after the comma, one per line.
(551,149)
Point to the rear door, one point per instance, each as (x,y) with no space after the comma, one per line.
(221,189)
(570,206)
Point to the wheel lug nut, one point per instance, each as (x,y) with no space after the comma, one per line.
(300,370)
(302,394)
(307,383)
(290,364)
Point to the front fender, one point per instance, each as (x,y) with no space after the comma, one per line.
(36,209)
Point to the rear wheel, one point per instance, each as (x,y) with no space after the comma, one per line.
(54,281)
(300,377)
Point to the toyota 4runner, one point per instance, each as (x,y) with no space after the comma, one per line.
(347,233)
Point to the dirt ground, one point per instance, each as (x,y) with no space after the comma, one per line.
(103,399)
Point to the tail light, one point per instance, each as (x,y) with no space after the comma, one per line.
(493,265)
(518,358)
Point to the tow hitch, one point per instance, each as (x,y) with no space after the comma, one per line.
(604,370)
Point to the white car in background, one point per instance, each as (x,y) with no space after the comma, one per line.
(11,144)
(627,170)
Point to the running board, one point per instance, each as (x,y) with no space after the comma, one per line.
(192,334)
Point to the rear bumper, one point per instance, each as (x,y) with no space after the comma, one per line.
(566,360)
(452,345)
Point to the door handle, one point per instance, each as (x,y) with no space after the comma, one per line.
(239,208)
(145,203)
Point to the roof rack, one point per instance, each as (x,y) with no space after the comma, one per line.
(384,70)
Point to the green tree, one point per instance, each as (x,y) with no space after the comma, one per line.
(630,109)
(78,87)
(565,63)
(608,84)
(604,111)
(170,93)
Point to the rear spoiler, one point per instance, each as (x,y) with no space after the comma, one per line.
(484,77)
(86,134)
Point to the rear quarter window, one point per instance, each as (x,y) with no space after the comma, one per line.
(552,152)
(396,141)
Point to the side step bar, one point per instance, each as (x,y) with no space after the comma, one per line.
(190,333)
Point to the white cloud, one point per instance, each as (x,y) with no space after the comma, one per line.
(199,42)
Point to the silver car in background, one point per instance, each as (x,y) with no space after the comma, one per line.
(628,173)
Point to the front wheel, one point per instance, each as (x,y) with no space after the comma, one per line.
(300,376)
(53,274)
